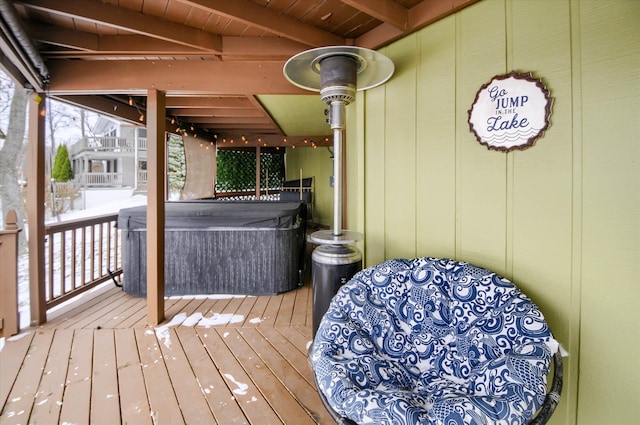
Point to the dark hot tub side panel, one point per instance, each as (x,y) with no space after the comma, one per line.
(207,259)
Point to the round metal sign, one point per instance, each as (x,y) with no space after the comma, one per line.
(510,112)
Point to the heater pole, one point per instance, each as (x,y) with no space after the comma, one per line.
(337,125)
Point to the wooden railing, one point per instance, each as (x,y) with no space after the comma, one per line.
(110,179)
(107,144)
(79,255)
(101,144)
(104,179)
(9,319)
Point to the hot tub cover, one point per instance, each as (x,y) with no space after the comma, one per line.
(432,341)
(217,214)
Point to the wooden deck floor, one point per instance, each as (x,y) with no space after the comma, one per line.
(214,361)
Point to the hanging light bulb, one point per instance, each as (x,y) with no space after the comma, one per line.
(141,117)
(130,101)
(173,120)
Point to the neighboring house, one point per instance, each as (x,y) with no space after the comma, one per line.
(115,159)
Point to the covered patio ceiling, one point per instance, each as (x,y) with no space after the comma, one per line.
(219,61)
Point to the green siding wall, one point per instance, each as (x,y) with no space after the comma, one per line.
(316,163)
(561,219)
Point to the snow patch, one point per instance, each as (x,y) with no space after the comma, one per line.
(221,319)
(242,388)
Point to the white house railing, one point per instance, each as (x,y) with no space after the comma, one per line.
(101,144)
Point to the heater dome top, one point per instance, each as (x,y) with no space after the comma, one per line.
(373,68)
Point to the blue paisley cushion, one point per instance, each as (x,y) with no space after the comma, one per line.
(432,341)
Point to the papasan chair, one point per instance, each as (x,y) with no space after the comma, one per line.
(434,341)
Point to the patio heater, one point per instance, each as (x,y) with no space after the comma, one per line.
(336,72)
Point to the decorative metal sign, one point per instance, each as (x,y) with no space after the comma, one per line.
(510,112)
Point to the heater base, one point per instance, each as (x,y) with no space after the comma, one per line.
(327,237)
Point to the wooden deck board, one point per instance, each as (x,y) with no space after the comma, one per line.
(10,364)
(163,403)
(218,360)
(134,405)
(48,402)
(105,406)
(22,396)
(76,401)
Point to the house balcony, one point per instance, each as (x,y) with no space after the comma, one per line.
(110,145)
(119,179)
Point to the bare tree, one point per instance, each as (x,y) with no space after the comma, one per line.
(12,154)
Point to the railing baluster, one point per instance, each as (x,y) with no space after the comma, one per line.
(84,255)
(100,246)
(50,266)
(92,261)
(63,260)
(73,259)
(109,246)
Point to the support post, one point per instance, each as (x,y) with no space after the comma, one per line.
(258,171)
(156,150)
(35,208)
(9,317)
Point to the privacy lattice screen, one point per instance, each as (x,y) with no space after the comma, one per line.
(237,170)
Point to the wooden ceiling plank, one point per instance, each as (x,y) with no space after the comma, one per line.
(235,121)
(256,102)
(255,15)
(208,102)
(216,112)
(275,47)
(98,12)
(103,106)
(64,37)
(385,10)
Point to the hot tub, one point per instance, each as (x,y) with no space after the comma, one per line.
(218,247)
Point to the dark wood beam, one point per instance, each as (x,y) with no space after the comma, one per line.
(234,48)
(260,17)
(429,11)
(421,15)
(85,45)
(385,10)
(99,12)
(176,77)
